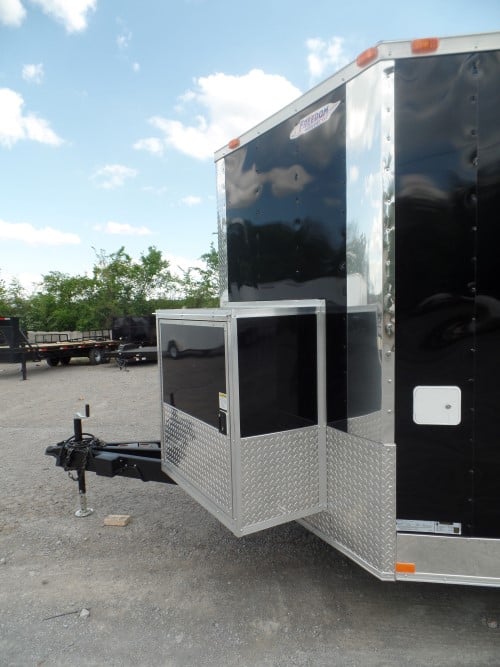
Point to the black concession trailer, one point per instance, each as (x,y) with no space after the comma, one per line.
(378,193)
(350,378)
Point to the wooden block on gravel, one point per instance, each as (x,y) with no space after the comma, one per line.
(117,520)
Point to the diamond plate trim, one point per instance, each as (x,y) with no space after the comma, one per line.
(200,453)
(361,514)
(280,475)
(368,426)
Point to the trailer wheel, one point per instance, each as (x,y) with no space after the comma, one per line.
(95,356)
(52,361)
(65,361)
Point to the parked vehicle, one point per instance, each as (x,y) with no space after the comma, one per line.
(137,337)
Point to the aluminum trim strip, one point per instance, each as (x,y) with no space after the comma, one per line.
(450,579)
(222,230)
(450,559)
(388,325)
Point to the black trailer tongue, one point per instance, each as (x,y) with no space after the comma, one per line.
(85,452)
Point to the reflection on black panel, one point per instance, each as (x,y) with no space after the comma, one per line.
(194,372)
(363,364)
(286,211)
(336,369)
(277,368)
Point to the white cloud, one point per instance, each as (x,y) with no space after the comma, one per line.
(153,145)
(123,40)
(15,125)
(156,191)
(73,14)
(12,13)
(223,107)
(33,73)
(27,233)
(123,229)
(191,200)
(325,57)
(28,281)
(112,176)
(178,264)
(136,67)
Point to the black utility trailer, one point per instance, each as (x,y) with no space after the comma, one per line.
(354,383)
(137,339)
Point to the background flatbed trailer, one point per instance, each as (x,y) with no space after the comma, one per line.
(54,348)
(59,348)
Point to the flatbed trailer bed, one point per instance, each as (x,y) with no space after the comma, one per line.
(54,348)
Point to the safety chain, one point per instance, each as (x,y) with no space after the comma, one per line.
(83,447)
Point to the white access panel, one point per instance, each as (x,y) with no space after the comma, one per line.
(437,406)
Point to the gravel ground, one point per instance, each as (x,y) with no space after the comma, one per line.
(174,587)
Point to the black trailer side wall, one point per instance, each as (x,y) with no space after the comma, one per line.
(447,286)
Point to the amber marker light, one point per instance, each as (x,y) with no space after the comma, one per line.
(367,57)
(234,143)
(426,45)
(405,568)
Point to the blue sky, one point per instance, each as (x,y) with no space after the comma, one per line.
(111,110)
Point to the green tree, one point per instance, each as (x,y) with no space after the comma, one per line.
(125,287)
(14,300)
(62,302)
(4,304)
(200,285)
(118,286)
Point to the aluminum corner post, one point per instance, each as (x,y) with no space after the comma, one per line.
(360,519)
(220,173)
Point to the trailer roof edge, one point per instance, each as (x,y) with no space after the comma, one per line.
(385,50)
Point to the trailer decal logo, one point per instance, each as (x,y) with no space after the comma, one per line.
(314,120)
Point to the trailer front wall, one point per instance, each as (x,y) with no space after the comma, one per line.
(282,213)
